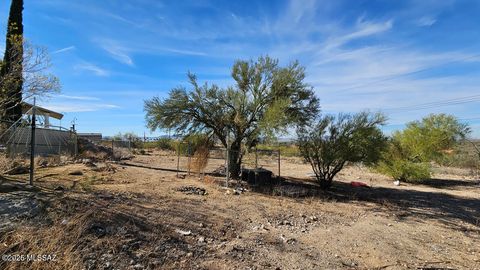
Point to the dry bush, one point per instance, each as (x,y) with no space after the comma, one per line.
(200,160)
(122,154)
(52,240)
(49,161)
(209,180)
(5,163)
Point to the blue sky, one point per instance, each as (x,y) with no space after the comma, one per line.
(407,58)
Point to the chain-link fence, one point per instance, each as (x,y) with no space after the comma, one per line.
(16,141)
(121,149)
(214,160)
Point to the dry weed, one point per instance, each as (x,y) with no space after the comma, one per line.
(200,160)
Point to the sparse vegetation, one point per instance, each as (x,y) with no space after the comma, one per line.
(333,141)
(430,140)
(266,100)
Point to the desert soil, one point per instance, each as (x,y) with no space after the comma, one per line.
(135,215)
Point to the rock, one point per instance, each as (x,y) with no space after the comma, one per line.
(20,169)
(76,172)
(201,239)
(182,232)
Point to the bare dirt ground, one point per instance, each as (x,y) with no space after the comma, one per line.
(138,216)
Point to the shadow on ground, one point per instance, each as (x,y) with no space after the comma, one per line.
(448,209)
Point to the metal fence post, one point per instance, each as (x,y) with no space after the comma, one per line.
(227,171)
(189,158)
(32,144)
(256,158)
(178,159)
(278,163)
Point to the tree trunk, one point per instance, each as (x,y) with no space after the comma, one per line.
(325,183)
(235,159)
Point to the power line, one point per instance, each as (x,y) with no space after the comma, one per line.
(435,104)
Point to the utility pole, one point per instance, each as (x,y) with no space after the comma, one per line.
(32,144)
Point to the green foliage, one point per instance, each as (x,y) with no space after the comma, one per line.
(397,164)
(405,170)
(429,139)
(334,141)
(165,144)
(286,150)
(265,100)
(410,151)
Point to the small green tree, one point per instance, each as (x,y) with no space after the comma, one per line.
(410,151)
(398,163)
(266,100)
(429,139)
(333,141)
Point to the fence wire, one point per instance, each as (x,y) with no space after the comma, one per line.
(15,140)
(213,161)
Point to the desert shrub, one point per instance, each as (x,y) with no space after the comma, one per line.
(135,141)
(286,150)
(410,150)
(189,144)
(399,163)
(432,138)
(333,141)
(200,160)
(165,144)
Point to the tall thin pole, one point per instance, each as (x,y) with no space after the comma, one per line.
(178,158)
(32,144)
(227,171)
(278,163)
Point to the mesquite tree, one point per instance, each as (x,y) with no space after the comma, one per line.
(335,140)
(265,100)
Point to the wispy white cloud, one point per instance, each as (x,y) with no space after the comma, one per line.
(117,51)
(77,97)
(66,49)
(363,29)
(426,21)
(76,107)
(92,68)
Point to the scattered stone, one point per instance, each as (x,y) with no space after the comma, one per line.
(191,190)
(19,169)
(182,232)
(98,230)
(59,188)
(138,266)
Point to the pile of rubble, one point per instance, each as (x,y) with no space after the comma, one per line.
(191,190)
